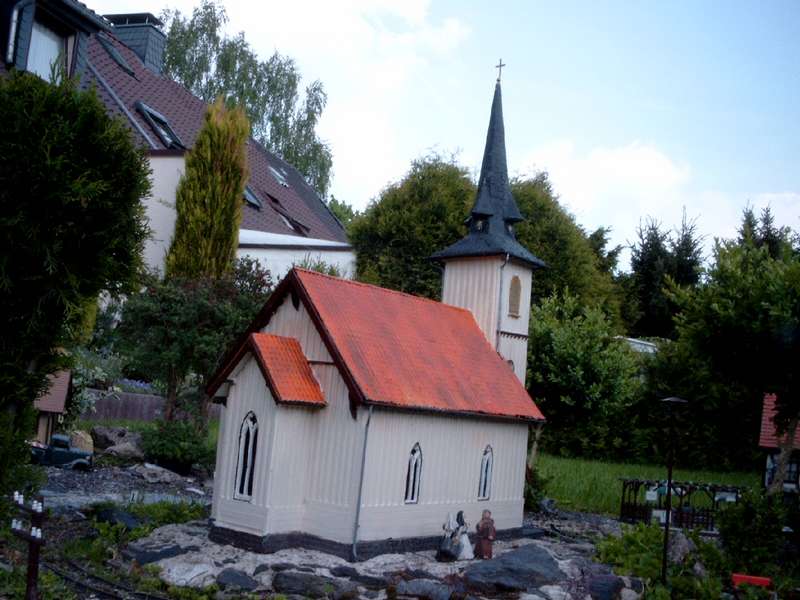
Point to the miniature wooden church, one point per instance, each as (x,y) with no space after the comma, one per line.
(357,417)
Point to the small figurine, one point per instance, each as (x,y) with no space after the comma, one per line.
(486,535)
(449,546)
(465,550)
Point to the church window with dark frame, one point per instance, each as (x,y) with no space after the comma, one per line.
(245,465)
(514,296)
(485,480)
(413,475)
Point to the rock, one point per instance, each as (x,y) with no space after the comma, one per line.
(155,474)
(604,587)
(146,554)
(313,586)
(5,567)
(195,490)
(525,568)
(532,532)
(679,548)
(117,516)
(127,450)
(368,581)
(82,441)
(629,594)
(233,579)
(105,437)
(424,588)
(553,592)
(547,506)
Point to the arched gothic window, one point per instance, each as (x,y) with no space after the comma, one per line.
(485,482)
(413,474)
(514,294)
(245,466)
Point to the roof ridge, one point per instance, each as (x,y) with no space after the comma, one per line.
(382,289)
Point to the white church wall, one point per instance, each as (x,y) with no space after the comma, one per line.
(515,349)
(316,465)
(249,393)
(473,283)
(160,207)
(508,322)
(452,449)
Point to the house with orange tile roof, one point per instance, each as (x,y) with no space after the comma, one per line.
(120,56)
(768,441)
(356,417)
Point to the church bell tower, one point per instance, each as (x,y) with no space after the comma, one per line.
(488,271)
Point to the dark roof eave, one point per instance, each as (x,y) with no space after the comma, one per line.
(443,256)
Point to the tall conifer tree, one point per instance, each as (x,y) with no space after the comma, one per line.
(209,197)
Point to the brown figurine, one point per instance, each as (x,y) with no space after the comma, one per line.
(486,535)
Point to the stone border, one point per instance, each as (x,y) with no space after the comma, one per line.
(269,544)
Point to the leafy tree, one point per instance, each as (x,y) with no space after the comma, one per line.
(199,56)
(176,330)
(650,266)
(761,232)
(552,234)
(583,378)
(209,197)
(342,211)
(686,254)
(316,263)
(408,222)
(71,183)
(746,321)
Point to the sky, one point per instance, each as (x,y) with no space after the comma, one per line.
(635,109)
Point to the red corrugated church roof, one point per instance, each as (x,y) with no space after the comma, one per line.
(284,366)
(403,351)
(769,435)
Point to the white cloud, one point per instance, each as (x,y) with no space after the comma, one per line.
(621,186)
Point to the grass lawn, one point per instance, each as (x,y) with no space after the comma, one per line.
(594,486)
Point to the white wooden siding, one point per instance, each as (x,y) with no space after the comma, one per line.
(452,449)
(474,283)
(507,322)
(249,393)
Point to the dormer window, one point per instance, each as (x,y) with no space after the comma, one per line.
(159,124)
(49,50)
(480,224)
(279,176)
(252,199)
(510,228)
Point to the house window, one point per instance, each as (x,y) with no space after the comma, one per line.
(485,481)
(514,294)
(48,49)
(245,467)
(413,475)
(159,124)
(279,176)
(251,199)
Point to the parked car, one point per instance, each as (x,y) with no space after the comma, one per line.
(60,453)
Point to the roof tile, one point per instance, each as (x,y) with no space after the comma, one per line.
(769,432)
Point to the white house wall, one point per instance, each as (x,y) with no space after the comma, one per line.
(452,449)
(473,283)
(249,393)
(513,338)
(160,207)
(279,261)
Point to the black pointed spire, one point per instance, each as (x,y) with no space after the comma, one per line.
(491,221)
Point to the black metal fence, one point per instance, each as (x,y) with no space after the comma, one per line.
(694,505)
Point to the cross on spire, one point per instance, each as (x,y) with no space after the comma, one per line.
(499,66)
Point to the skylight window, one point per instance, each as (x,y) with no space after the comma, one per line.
(279,176)
(161,126)
(294,225)
(252,199)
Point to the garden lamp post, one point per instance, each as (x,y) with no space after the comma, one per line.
(671,403)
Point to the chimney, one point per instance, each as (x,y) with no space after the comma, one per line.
(141,32)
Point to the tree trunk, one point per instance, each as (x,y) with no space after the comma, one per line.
(172,395)
(533,454)
(786,445)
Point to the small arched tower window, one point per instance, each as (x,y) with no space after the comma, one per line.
(514,295)
(245,466)
(413,475)
(485,481)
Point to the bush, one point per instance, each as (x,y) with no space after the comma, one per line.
(751,533)
(177,445)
